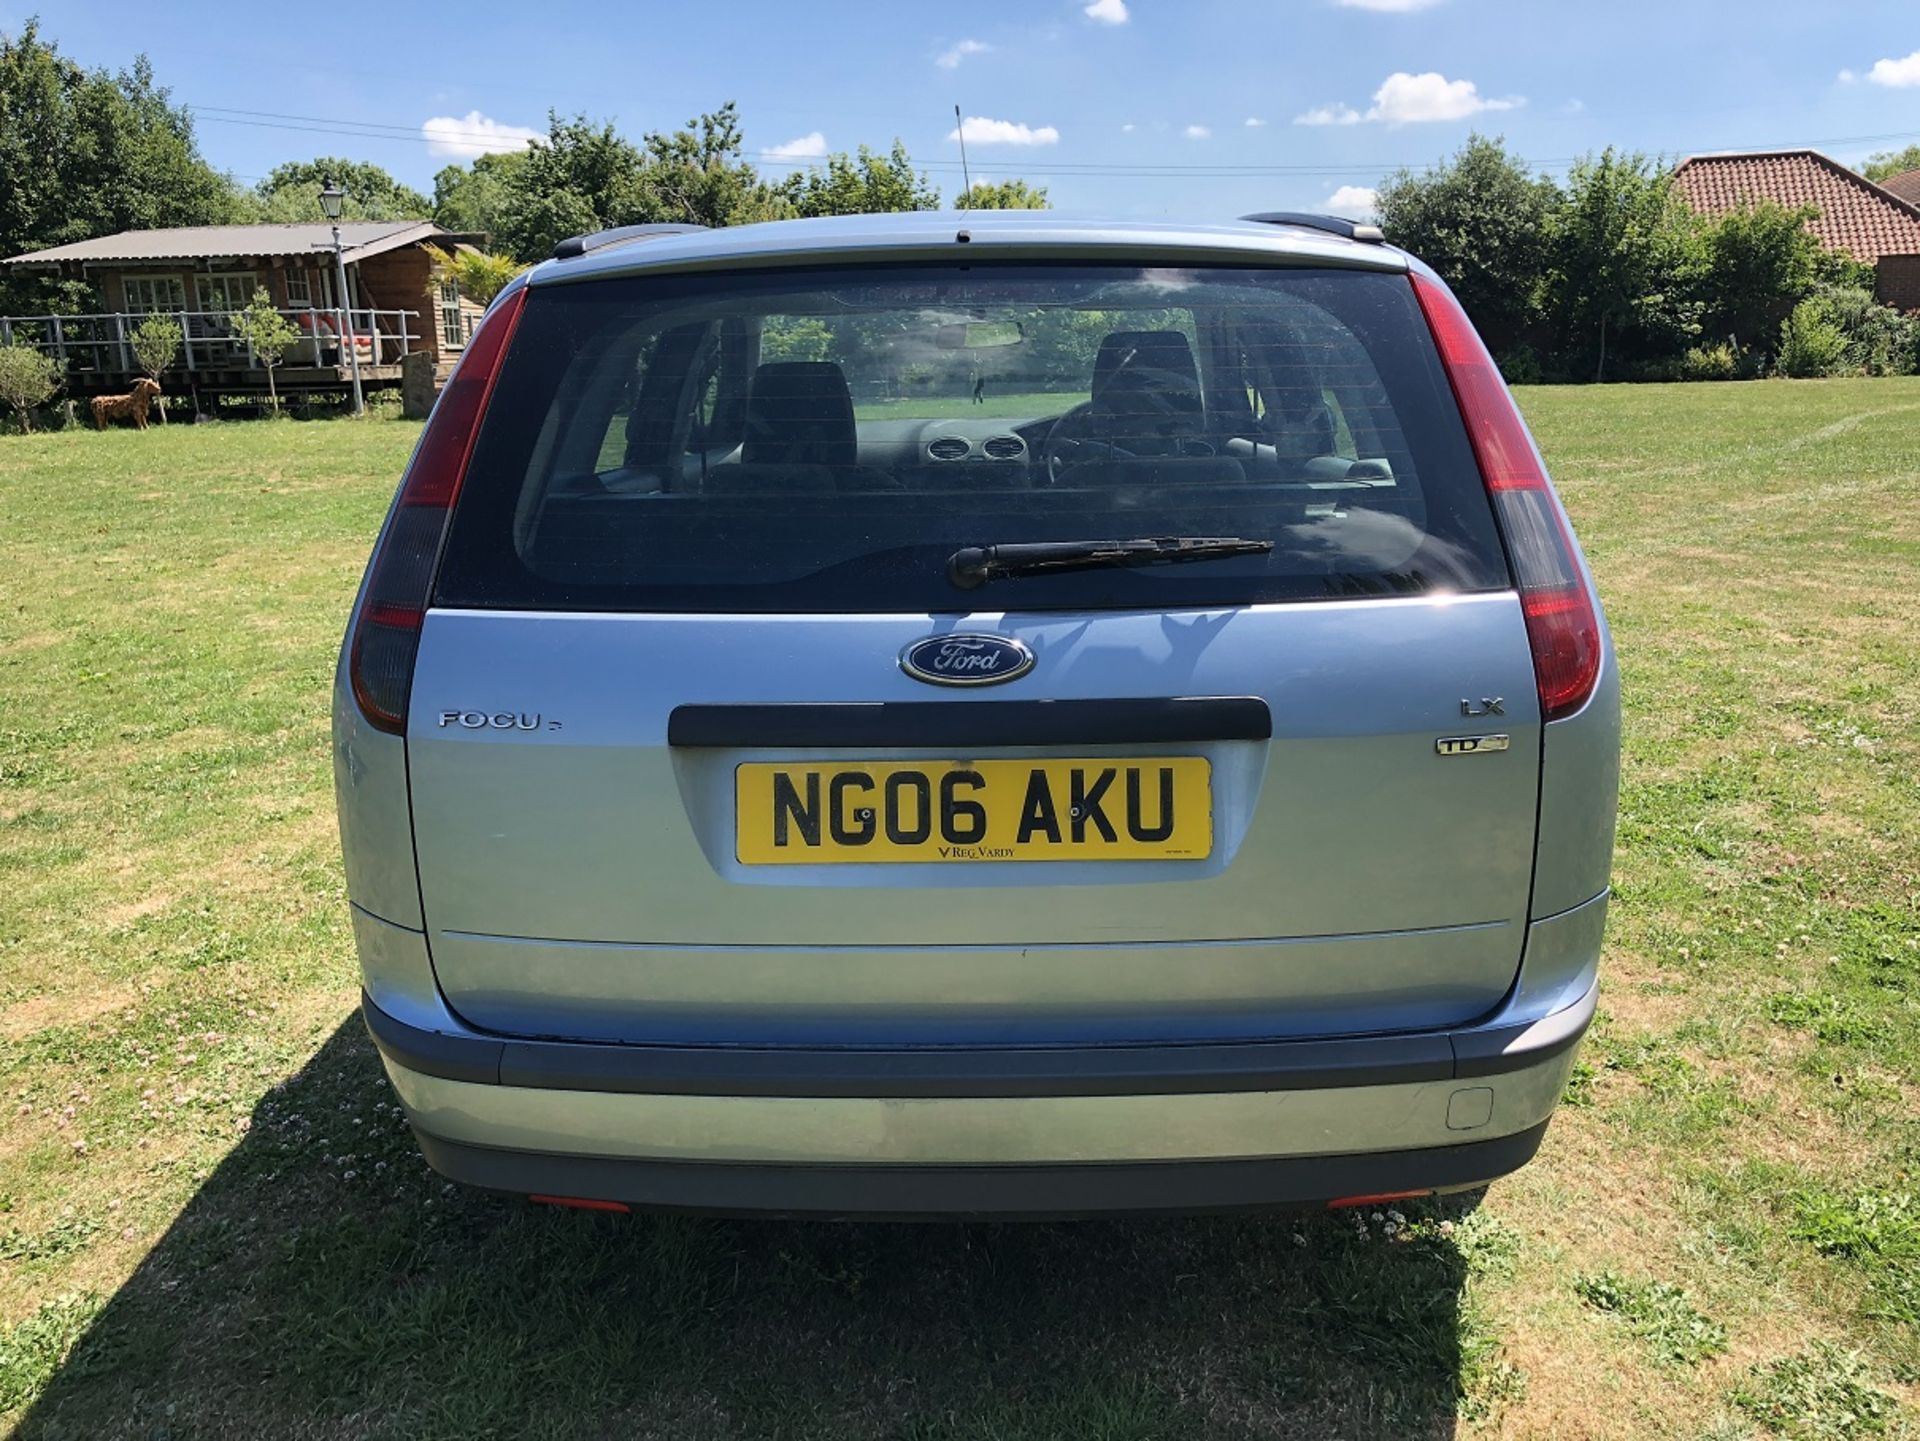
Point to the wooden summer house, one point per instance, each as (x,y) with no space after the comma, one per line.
(393,305)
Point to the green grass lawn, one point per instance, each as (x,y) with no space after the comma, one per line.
(213,1223)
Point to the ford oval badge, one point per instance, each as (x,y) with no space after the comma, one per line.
(966,659)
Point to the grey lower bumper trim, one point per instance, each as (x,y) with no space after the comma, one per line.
(955,1192)
(1308,1065)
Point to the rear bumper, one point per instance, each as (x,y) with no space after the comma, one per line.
(909,1192)
(982,1130)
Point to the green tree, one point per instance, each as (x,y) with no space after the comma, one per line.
(469,199)
(1480,220)
(156,346)
(84,153)
(1002,195)
(1757,263)
(1880,340)
(795,337)
(479,275)
(588,177)
(290,192)
(267,333)
(1812,343)
(863,184)
(1891,162)
(1625,261)
(696,175)
(29,378)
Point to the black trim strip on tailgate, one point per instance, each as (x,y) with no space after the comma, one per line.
(1121,721)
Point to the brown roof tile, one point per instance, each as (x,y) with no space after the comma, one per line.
(1906,185)
(1856,216)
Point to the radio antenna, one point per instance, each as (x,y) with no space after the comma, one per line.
(966,179)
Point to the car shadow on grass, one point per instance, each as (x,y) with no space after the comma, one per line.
(323,1283)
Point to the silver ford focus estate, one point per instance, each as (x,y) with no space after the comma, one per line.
(977,714)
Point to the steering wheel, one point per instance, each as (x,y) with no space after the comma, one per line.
(1075,439)
(1152,418)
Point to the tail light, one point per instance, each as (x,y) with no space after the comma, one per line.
(386,630)
(1562,628)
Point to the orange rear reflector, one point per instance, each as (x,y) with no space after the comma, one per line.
(1348,1202)
(581,1203)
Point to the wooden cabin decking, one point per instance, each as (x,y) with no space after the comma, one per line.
(95,351)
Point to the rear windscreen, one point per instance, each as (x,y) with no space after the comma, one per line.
(827,440)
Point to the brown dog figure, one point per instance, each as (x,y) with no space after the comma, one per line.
(126,407)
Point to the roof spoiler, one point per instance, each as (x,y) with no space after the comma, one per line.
(578,245)
(1332,224)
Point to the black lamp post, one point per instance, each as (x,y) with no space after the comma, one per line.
(332,197)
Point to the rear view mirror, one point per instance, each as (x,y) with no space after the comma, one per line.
(979,335)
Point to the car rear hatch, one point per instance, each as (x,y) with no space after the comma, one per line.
(685,769)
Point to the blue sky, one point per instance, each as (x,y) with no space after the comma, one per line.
(1131,107)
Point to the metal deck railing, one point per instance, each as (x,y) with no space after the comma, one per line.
(102,343)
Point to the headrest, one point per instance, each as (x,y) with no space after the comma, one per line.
(1155,360)
(799,412)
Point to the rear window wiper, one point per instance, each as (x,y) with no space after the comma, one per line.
(974,565)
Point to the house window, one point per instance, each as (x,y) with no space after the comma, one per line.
(225,293)
(451,327)
(145,294)
(299,290)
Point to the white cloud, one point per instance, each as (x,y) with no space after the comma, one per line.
(465,136)
(1357,202)
(811,146)
(1574,106)
(1896,74)
(979,130)
(1197,132)
(1107,12)
(1400,7)
(1329,115)
(1404,99)
(1127,129)
(1847,77)
(1253,122)
(950,58)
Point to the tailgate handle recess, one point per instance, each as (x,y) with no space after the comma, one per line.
(970,723)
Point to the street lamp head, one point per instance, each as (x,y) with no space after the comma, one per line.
(331,196)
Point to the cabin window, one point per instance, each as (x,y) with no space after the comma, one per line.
(145,294)
(299,290)
(451,321)
(226,293)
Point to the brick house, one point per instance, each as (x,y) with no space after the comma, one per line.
(1878,225)
(393,306)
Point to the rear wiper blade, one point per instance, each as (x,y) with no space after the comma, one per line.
(974,565)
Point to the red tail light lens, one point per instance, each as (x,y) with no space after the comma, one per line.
(1562,628)
(386,631)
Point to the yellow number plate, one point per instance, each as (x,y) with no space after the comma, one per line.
(802,813)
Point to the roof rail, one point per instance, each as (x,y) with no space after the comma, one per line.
(1332,224)
(579,245)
